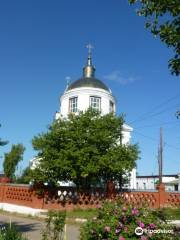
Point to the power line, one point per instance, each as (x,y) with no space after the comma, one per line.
(170,145)
(155,114)
(155,140)
(159,124)
(156,107)
(145,136)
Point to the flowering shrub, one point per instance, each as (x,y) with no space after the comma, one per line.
(54,225)
(115,222)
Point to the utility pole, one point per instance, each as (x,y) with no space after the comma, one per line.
(160,156)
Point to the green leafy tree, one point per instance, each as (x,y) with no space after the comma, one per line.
(85,149)
(25,177)
(178,114)
(12,159)
(163,19)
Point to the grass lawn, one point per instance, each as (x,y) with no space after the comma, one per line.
(82,213)
(172,213)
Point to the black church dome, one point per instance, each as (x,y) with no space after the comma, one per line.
(88,82)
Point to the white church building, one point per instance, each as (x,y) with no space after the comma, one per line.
(86,92)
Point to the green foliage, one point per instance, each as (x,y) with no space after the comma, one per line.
(54,226)
(115,222)
(178,114)
(26,176)
(163,19)
(12,159)
(84,149)
(10,233)
(162,214)
(168,213)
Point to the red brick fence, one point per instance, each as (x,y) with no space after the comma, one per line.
(70,198)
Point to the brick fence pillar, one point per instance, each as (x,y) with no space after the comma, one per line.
(2,191)
(161,195)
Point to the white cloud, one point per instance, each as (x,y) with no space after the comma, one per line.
(116,76)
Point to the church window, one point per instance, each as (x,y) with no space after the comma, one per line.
(95,103)
(111,107)
(73,104)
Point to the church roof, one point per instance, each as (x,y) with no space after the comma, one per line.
(88,79)
(88,82)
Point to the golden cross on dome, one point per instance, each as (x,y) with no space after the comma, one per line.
(89,69)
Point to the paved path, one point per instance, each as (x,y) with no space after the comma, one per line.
(32,228)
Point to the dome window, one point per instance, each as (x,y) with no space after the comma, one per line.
(73,104)
(95,103)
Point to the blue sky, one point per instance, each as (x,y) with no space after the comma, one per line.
(43,42)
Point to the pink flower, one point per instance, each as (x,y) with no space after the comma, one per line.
(144,238)
(121,238)
(98,206)
(141,224)
(135,211)
(152,225)
(107,229)
(124,209)
(126,229)
(117,231)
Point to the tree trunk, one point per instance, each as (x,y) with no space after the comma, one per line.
(110,189)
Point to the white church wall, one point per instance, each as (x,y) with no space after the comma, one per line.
(126,134)
(34,162)
(83,95)
(132,180)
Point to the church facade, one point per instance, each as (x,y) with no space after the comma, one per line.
(90,92)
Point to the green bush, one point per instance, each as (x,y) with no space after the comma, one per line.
(10,233)
(115,222)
